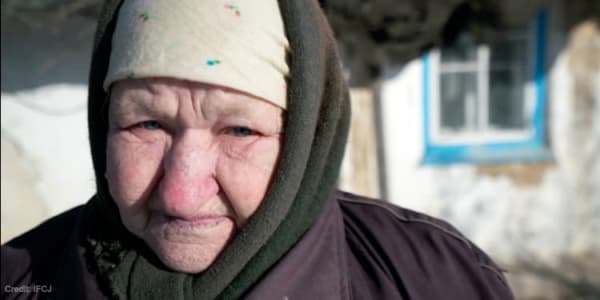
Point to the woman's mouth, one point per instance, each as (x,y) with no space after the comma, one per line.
(206,221)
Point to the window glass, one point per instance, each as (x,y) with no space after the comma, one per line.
(458,92)
(485,103)
(507,81)
(483,87)
(507,105)
(462,50)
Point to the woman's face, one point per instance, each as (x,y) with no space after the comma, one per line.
(188,164)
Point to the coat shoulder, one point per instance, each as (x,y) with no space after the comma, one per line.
(425,255)
(32,258)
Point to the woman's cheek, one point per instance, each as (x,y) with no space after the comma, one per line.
(132,167)
(252,151)
(245,177)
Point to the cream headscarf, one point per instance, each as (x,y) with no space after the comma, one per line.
(236,44)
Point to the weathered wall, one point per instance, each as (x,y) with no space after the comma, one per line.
(575,130)
(542,218)
(360,167)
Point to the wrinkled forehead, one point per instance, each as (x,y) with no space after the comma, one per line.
(164,94)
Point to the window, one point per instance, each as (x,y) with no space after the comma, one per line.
(486,104)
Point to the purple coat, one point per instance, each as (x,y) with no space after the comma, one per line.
(359,248)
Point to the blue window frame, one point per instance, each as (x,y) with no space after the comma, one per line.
(460,101)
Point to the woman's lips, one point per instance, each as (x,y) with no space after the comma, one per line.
(197,222)
(200,229)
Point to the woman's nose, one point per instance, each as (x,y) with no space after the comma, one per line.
(188,181)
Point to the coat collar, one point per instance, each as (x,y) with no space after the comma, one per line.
(316,266)
(74,279)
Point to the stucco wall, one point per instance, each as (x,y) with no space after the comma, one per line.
(541,212)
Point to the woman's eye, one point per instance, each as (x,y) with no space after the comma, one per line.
(241,131)
(150,125)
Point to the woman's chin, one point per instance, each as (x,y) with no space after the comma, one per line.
(190,254)
(187,260)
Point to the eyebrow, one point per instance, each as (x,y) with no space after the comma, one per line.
(146,101)
(247,113)
(136,103)
(236,110)
(245,108)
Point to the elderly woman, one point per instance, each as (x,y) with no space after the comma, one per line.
(217,130)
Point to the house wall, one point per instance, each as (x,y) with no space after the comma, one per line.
(520,211)
(360,167)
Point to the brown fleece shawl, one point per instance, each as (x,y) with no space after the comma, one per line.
(315,135)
